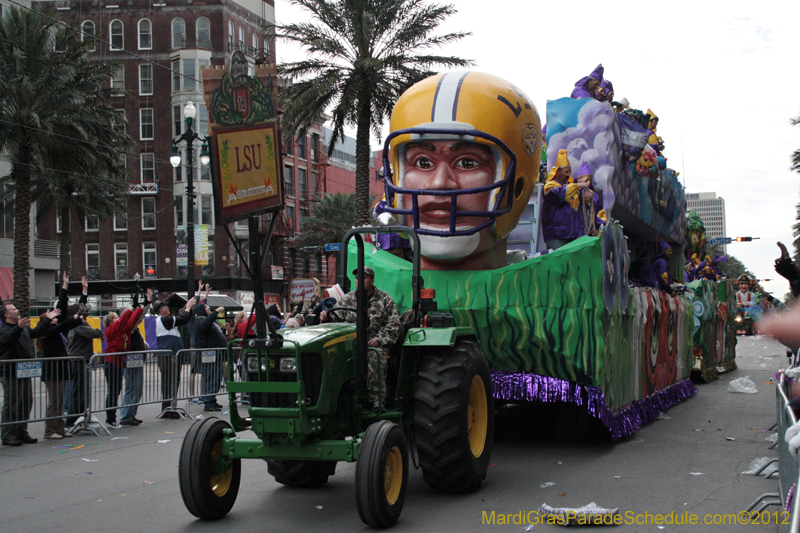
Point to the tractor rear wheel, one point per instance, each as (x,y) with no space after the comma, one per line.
(208,492)
(303,474)
(382,474)
(454,418)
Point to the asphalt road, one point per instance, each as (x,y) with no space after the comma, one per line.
(690,462)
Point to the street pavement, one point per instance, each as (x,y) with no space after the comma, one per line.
(690,461)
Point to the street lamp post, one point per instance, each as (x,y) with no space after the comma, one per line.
(189,136)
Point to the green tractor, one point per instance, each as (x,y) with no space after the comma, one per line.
(309,408)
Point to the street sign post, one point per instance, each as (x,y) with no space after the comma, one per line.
(333,247)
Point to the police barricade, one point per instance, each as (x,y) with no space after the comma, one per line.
(210,366)
(118,383)
(788,469)
(34,390)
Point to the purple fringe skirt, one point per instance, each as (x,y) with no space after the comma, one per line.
(511,385)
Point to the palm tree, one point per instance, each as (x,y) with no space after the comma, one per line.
(51,116)
(330,218)
(89,179)
(363,54)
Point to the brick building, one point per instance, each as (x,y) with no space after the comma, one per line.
(161,47)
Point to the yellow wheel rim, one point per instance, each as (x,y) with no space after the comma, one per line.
(220,483)
(393,477)
(477,416)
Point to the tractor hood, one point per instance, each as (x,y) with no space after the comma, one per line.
(320,333)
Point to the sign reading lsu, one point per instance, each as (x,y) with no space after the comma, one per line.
(242,116)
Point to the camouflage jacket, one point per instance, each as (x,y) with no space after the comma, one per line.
(384,322)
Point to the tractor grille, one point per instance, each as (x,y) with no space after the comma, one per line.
(312,376)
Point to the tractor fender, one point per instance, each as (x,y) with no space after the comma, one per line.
(433,337)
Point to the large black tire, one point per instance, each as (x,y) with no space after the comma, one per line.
(748,332)
(301,473)
(207,495)
(382,474)
(454,418)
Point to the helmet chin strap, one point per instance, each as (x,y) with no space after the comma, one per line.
(449,247)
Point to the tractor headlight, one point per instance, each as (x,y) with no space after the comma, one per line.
(738,319)
(288,364)
(252,364)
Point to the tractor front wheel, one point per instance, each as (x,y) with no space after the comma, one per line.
(454,418)
(208,489)
(382,474)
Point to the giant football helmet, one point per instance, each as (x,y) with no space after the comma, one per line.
(474,107)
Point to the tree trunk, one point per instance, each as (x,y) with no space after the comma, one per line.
(21,175)
(66,238)
(362,217)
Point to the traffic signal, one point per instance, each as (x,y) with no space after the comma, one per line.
(743,239)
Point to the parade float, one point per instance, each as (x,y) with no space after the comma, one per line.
(565,326)
(714,306)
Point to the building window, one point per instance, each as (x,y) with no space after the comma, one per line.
(118,80)
(177,172)
(205,210)
(116,31)
(301,180)
(121,260)
(202,114)
(230,34)
(266,48)
(290,217)
(314,147)
(59,219)
(146,79)
(148,166)
(93,261)
(145,34)
(149,259)
(255,44)
(178,33)
(301,147)
(176,75)
(203,33)
(288,180)
(303,220)
(148,213)
(292,261)
(146,124)
(87,33)
(188,74)
(120,222)
(241,38)
(179,212)
(92,223)
(177,121)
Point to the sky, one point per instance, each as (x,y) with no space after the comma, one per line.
(723,78)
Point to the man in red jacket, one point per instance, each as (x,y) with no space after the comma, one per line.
(118,339)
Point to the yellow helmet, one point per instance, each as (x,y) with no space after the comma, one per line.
(473,107)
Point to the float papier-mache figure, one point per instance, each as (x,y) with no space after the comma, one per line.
(464,152)
(564,326)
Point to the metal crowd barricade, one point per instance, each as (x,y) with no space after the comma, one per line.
(788,467)
(211,365)
(118,383)
(207,363)
(34,390)
(789,470)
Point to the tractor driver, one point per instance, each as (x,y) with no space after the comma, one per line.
(384,328)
